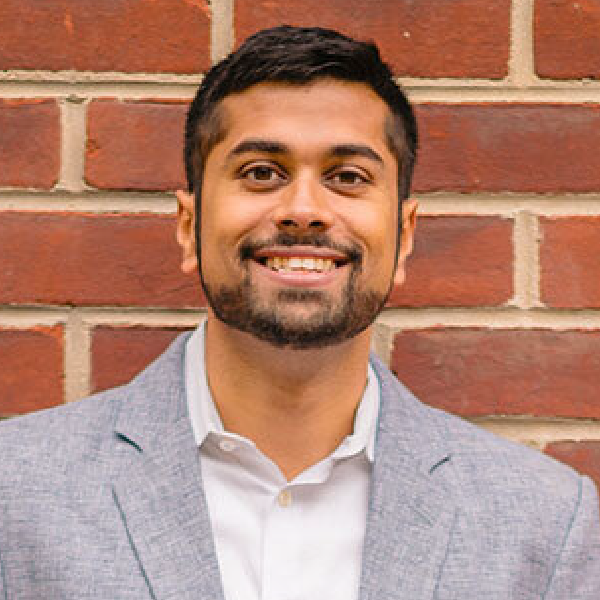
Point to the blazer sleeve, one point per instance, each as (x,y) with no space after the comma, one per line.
(577,571)
(3,594)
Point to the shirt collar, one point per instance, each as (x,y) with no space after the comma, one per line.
(205,417)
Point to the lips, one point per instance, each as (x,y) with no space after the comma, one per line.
(288,264)
(300,259)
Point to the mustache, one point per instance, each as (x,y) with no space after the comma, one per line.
(352,251)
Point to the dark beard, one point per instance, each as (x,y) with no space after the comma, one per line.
(329,324)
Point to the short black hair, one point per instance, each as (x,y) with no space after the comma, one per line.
(297,56)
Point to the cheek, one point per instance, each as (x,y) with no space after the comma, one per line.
(377,228)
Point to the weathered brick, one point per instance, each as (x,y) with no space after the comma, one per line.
(125,35)
(508,147)
(570,262)
(477,372)
(81,259)
(31,369)
(567,39)
(29,143)
(135,145)
(120,353)
(458,261)
(420,38)
(582,456)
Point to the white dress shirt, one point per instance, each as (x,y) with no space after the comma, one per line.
(280,540)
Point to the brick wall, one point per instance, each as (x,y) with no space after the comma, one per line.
(500,318)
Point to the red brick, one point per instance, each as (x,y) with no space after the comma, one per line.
(582,456)
(135,145)
(509,147)
(420,38)
(29,143)
(84,259)
(120,353)
(567,39)
(458,261)
(31,369)
(121,35)
(570,262)
(477,372)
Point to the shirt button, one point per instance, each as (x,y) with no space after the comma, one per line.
(227,445)
(285,498)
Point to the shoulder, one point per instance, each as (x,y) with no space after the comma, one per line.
(49,442)
(88,425)
(477,465)
(510,474)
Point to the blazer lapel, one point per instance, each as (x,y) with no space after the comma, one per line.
(159,493)
(411,512)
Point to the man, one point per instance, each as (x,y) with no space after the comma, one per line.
(265,455)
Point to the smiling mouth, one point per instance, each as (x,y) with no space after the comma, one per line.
(290,264)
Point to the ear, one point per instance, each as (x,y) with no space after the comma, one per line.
(186,236)
(409,224)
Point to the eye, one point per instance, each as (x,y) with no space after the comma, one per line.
(348,178)
(261,174)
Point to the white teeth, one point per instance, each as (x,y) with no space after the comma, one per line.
(293,263)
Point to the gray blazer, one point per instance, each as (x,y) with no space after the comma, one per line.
(103,499)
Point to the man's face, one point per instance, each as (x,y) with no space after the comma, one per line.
(299,217)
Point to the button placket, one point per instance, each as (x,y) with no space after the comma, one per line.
(284,498)
(281,561)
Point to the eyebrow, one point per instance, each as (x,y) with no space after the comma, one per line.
(264,146)
(349,150)
(273,147)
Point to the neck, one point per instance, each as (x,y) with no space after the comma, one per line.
(295,405)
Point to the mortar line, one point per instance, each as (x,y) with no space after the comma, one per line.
(419,91)
(534,239)
(506,205)
(526,261)
(93,205)
(71,78)
(509,204)
(77,358)
(399,319)
(222,33)
(167,318)
(17,318)
(73,138)
(541,430)
(382,342)
(521,64)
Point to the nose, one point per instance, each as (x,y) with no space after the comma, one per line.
(303,206)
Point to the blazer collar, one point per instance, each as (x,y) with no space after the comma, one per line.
(155,400)
(159,493)
(411,512)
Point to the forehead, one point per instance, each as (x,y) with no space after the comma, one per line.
(318,115)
